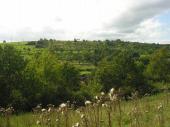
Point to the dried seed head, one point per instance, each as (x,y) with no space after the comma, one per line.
(160,106)
(49,109)
(78,111)
(112,91)
(96,97)
(114,97)
(43,110)
(82,116)
(98,101)
(88,103)
(102,93)
(104,105)
(38,122)
(48,120)
(76,125)
(63,105)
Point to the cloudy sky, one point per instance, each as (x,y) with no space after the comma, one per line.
(133,20)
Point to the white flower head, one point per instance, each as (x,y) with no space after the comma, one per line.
(112,90)
(63,105)
(38,122)
(102,93)
(43,110)
(88,102)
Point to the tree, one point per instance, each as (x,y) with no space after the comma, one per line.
(122,72)
(159,66)
(12,64)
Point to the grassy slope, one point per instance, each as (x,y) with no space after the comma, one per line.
(30,50)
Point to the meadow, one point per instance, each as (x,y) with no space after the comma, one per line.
(114,112)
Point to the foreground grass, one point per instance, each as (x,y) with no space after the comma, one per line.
(149,111)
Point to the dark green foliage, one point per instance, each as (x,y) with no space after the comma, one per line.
(159,66)
(42,43)
(122,72)
(11,67)
(50,71)
(44,80)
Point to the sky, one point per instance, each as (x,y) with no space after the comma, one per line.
(130,20)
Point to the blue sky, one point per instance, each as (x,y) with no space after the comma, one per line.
(132,20)
(164,20)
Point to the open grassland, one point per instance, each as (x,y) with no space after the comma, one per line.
(149,111)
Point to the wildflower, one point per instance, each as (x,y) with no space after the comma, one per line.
(102,93)
(48,120)
(96,97)
(88,102)
(9,110)
(95,104)
(39,106)
(98,101)
(77,125)
(112,90)
(38,122)
(147,94)
(160,106)
(104,105)
(82,116)
(43,110)
(49,109)
(37,109)
(63,105)
(113,98)
(2,110)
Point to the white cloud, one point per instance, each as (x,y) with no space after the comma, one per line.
(89,19)
(148,30)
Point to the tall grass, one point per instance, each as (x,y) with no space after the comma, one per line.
(106,110)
